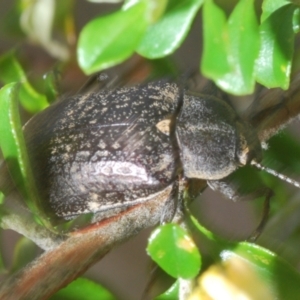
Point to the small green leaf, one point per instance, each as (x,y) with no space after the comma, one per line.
(37,22)
(165,36)
(270,6)
(243,50)
(13,146)
(2,266)
(50,85)
(11,137)
(296,21)
(283,153)
(171,293)
(214,59)
(1,198)
(277,35)
(230,49)
(249,269)
(156,9)
(24,252)
(83,289)
(11,71)
(108,40)
(248,272)
(281,278)
(105,1)
(172,249)
(10,22)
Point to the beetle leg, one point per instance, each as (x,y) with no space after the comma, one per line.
(171,204)
(228,188)
(172,212)
(257,232)
(183,190)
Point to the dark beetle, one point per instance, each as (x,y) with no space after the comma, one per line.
(116,148)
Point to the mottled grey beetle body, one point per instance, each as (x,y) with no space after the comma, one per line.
(126,146)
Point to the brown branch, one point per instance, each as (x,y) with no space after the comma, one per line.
(58,267)
(275,108)
(25,225)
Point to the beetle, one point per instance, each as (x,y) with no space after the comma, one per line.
(105,151)
(150,151)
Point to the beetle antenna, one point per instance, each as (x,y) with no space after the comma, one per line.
(276,174)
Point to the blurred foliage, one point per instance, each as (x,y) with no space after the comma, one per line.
(83,289)
(13,145)
(171,247)
(12,71)
(238,49)
(243,43)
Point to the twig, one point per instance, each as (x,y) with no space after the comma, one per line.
(25,225)
(58,267)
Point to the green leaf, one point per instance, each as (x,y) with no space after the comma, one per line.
(37,22)
(10,22)
(105,1)
(2,266)
(83,289)
(244,46)
(155,8)
(270,6)
(248,272)
(281,278)
(50,85)
(11,71)
(13,146)
(24,252)
(277,277)
(277,35)
(296,21)
(108,40)
(171,293)
(173,250)
(230,49)
(283,153)
(214,60)
(165,36)
(11,137)
(249,269)
(1,197)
